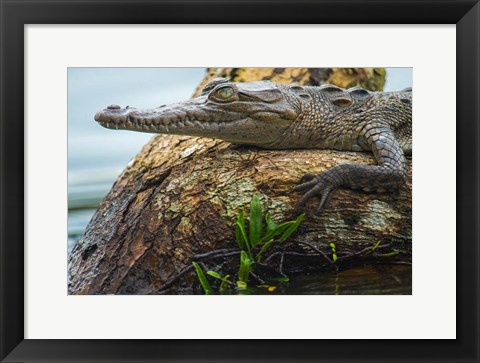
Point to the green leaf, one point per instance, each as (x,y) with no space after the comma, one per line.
(334,256)
(263,249)
(203,279)
(241,285)
(278,230)
(374,247)
(214,274)
(270,224)
(390,254)
(255,221)
(241,237)
(245,267)
(281,279)
(293,227)
(224,283)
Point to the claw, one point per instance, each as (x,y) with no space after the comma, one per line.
(326,196)
(313,191)
(313,184)
(307,177)
(304,186)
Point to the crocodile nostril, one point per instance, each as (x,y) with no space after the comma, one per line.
(113,107)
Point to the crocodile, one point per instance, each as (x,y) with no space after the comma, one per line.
(276,116)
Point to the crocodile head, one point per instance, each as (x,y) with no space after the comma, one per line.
(254,113)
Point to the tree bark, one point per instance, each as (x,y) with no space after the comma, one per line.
(181,195)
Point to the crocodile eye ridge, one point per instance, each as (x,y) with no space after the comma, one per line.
(225,92)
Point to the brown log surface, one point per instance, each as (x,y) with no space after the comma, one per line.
(181,196)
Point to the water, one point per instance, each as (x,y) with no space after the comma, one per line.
(77,222)
(86,188)
(367,280)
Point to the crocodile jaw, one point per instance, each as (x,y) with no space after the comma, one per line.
(193,119)
(151,120)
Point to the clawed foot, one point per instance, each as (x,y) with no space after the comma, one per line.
(324,184)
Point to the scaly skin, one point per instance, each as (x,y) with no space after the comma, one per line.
(274,116)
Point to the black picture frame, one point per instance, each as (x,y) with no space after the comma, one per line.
(15,14)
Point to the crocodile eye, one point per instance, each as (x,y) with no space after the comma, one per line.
(225,93)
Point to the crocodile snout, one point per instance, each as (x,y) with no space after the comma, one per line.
(113,113)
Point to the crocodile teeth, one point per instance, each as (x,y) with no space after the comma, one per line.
(189,123)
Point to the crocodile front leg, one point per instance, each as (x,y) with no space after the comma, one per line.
(388,175)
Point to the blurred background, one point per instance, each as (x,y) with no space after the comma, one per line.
(96,156)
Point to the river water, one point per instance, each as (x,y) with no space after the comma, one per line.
(96,156)
(364,280)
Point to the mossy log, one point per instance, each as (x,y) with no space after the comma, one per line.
(181,195)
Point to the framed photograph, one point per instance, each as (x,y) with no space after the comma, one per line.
(203,181)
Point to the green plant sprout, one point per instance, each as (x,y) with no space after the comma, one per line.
(203,279)
(224,280)
(334,252)
(374,247)
(262,234)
